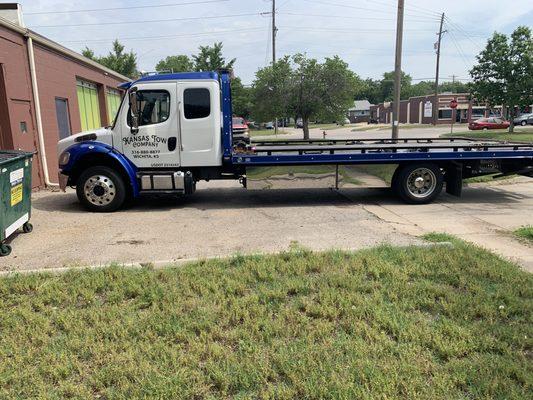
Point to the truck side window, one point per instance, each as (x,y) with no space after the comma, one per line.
(154,107)
(197,103)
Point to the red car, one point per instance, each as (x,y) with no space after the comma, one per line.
(488,123)
(240,130)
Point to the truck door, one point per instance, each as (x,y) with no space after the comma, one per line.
(155,145)
(200,123)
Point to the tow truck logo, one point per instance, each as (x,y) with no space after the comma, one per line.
(143,141)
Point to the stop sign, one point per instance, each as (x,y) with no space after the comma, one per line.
(453,103)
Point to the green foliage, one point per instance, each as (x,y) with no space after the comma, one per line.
(384,323)
(272,95)
(179,63)
(241,98)
(504,71)
(302,87)
(210,58)
(525,232)
(122,62)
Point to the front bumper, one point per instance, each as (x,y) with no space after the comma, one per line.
(63,181)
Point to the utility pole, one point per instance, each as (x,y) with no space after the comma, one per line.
(398,71)
(436,105)
(274,30)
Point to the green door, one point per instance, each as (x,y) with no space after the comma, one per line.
(113,100)
(89,107)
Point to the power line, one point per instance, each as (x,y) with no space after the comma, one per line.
(348,17)
(460,50)
(166,36)
(365,8)
(147,21)
(413,8)
(347,30)
(124,8)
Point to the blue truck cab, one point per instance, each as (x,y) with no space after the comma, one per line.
(173,130)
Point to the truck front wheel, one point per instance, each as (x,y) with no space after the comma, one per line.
(418,183)
(101,189)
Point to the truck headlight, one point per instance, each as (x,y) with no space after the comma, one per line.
(64,158)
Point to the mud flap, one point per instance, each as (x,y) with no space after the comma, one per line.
(454,179)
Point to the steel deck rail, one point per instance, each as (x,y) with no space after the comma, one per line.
(356,150)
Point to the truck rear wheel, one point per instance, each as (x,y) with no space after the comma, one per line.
(418,183)
(101,189)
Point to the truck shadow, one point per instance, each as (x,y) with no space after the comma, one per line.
(237,198)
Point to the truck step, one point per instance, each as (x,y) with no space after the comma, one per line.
(168,182)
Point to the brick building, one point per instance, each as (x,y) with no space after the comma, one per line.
(48,92)
(419,110)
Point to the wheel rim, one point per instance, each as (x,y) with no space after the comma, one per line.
(99,190)
(421,183)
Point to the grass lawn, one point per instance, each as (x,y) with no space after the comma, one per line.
(384,323)
(383,171)
(270,171)
(326,127)
(266,132)
(520,135)
(525,233)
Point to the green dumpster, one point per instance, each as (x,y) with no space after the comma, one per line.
(15,195)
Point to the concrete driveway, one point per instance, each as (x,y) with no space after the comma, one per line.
(222,219)
(486,215)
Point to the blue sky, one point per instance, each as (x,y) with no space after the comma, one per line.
(362,32)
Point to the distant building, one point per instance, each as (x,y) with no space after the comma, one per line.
(360,112)
(419,110)
(48,92)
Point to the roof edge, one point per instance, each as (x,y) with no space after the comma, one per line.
(60,48)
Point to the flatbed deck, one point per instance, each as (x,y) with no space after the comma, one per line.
(365,150)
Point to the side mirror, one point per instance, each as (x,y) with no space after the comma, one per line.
(134,110)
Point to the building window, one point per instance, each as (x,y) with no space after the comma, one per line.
(154,107)
(89,105)
(445,113)
(113,100)
(197,103)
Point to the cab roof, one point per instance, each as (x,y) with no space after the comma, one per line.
(174,76)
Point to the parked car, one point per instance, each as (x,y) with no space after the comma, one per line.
(524,119)
(269,125)
(240,130)
(253,125)
(299,123)
(488,123)
(372,121)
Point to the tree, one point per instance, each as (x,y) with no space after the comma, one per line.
(241,98)
(369,89)
(387,86)
(304,88)
(117,60)
(179,63)
(503,74)
(210,58)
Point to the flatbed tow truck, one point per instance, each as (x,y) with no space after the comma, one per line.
(173,130)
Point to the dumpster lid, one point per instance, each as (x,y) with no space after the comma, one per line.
(7,156)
